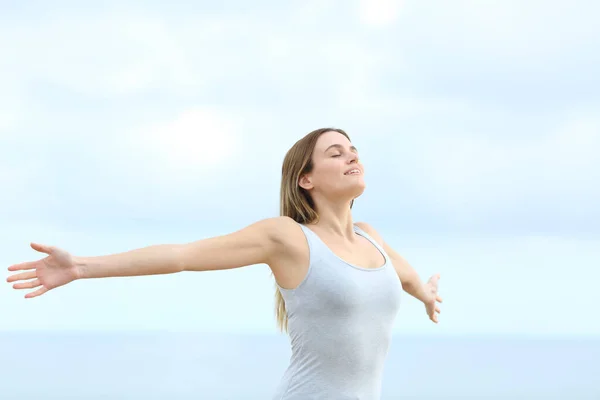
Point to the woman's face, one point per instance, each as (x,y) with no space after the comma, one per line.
(336,173)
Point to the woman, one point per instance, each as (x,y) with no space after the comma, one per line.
(338,283)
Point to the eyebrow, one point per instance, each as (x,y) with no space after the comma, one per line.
(339,146)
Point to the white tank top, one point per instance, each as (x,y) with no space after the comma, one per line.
(340,319)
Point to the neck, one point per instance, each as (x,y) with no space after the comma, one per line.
(335,217)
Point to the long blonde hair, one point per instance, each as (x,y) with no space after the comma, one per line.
(295,202)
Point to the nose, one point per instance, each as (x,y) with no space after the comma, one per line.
(353,158)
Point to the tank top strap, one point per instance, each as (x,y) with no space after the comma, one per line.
(309,235)
(317,247)
(313,242)
(364,234)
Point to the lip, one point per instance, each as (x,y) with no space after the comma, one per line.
(352,169)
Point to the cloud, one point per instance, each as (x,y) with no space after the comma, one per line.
(488,181)
(379,12)
(503,28)
(472,159)
(12,107)
(12,183)
(116,97)
(8,120)
(117,56)
(159,168)
(528,56)
(102,54)
(195,142)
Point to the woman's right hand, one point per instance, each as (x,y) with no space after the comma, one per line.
(57,269)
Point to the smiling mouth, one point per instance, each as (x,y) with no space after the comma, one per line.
(353,172)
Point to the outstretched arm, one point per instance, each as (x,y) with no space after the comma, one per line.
(252,245)
(411,283)
(255,244)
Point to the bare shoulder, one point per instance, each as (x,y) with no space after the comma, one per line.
(371,232)
(290,256)
(282,229)
(285,237)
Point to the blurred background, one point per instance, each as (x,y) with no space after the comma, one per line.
(130,123)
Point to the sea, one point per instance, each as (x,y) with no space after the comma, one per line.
(219,366)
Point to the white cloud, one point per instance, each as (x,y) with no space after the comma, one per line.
(119,54)
(102,54)
(325,76)
(471,170)
(575,144)
(8,120)
(495,31)
(379,12)
(12,184)
(12,108)
(187,147)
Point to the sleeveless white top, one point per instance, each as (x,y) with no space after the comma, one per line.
(340,320)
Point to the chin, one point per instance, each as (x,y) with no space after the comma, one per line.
(359,189)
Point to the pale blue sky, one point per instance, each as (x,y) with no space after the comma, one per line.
(138,123)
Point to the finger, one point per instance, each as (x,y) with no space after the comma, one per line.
(42,248)
(437,310)
(438,299)
(22,276)
(23,266)
(37,293)
(27,285)
(434,279)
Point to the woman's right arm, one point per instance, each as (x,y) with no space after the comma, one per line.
(254,244)
(262,242)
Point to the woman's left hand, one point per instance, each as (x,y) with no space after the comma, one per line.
(432,298)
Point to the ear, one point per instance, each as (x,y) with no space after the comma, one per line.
(305,182)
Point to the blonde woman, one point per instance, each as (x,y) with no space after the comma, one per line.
(338,283)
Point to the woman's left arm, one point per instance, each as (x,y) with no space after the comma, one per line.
(411,283)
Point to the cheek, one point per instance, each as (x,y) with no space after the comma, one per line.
(332,170)
(325,167)
(326,174)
